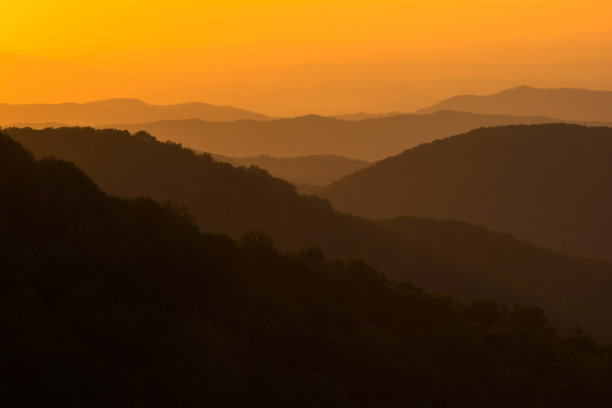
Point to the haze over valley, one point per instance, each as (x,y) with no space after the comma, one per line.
(368,139)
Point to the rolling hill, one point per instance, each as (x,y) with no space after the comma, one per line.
(115,302)
(456,258)
(563,103)
(546,184)
(370,139)
(119,111)
(318,170)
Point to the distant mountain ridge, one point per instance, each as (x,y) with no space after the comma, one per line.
(119,110)
(369,139)
(366,115)
(546,184)
(38,125)
(564,103)
(315,170)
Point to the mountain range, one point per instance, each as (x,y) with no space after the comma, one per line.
(467,261)
(323,88)
(562,103)
(124,302)
(118,111)
(370,139)
(546,184)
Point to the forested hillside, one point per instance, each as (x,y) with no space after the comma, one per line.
(546,184)
(114,302)
(463,260)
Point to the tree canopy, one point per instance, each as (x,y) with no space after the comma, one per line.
(443,256)
(124,302)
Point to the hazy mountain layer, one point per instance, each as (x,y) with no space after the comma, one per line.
(318,170)
(546,184)
(371,139)
(119,111)
(365,115)
(451,257)
(563,103)
(322,88)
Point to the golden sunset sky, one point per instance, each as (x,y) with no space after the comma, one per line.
(295,57)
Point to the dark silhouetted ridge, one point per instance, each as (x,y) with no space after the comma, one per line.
(114,302)
(471,262)
(546,184)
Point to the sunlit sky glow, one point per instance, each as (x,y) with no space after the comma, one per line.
(190,36)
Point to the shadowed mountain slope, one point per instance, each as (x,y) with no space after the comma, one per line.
(370,139)
(563,103)
(318,170)
(456,258)
(546,184)
(119,111)
(124,303)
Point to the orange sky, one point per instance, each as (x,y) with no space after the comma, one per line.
(233,52)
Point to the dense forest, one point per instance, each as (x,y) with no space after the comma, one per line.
(440,256)
(124,302)
(370,139)
(546,184)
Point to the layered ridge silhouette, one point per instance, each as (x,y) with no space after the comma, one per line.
(453,257)
(371,139)
(118,111)
(113,302)
(316,170)
(546,184)
(563,103)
